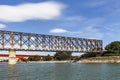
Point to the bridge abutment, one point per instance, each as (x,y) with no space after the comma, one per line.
(12,57)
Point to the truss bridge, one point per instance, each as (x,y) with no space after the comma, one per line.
(20,41)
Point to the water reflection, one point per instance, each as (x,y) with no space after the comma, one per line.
(11,72)
(63,71)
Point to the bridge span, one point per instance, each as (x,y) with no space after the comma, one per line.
(21,41)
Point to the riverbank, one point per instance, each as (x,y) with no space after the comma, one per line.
(50,61)
(106,59)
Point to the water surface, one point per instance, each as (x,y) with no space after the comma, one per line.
(59,71)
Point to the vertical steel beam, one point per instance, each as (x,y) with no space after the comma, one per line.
(12,40)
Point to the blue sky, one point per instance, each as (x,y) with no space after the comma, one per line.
(99,19)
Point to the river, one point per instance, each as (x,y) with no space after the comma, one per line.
(59,71)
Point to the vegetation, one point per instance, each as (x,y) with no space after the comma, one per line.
(38,58)
(35,58)
(113,47)
(47,58)
(63,56)
(90,54)
(58,56)
(5,60)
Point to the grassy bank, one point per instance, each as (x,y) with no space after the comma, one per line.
(103,59)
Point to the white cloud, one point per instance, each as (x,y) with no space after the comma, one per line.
(77,32)
(114,27)
(112,30)
(87,32)
(2,26)
(92,32)
(58,30)
(83,27)
(44,10)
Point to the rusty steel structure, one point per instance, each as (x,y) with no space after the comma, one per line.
(21,41)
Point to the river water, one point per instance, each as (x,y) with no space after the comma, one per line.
(59,71)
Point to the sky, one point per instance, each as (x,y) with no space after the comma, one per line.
(94,19)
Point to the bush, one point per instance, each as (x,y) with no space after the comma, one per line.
(113,47)
(35,58)
(63,55)
(90,54)
(47,58)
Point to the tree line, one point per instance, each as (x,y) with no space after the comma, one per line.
(112,49)
(58,56)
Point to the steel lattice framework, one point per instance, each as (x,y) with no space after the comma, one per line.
(21,41)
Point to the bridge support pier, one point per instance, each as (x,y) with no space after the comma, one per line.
(12,57)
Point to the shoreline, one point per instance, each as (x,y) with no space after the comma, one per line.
(49,62)
(105,59)
(99,61)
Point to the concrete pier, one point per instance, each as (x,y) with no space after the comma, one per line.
(12,57)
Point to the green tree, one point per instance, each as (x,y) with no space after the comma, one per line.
(113,47)
(35,58)
(63,55)
(47,58)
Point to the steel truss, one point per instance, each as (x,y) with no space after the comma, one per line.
(21,41)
